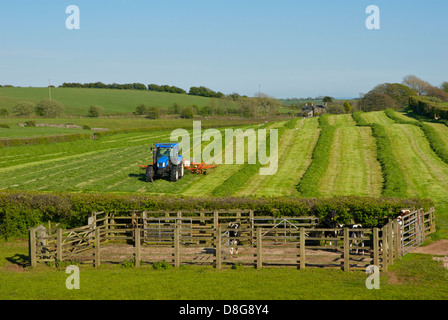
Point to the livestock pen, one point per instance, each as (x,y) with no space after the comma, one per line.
(205,238)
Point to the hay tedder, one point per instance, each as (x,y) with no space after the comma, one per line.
(199,168)
(167,162)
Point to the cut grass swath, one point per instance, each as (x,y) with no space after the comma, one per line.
(353,168)
(238,180)
(295,150)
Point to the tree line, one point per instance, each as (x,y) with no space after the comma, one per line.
(195,91)
(260,105)
(397,95)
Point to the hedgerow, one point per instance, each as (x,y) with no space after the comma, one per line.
(394,184)
(20,211)
(308,185)
(360,121)
(43,139)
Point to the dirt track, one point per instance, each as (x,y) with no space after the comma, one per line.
(438,248)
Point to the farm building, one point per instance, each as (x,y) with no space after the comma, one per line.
(313,110)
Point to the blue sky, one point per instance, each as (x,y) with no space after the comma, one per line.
(289,48)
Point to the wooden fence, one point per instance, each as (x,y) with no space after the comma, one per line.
(203,238)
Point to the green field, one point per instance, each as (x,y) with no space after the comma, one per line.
(110,165)
(78,100)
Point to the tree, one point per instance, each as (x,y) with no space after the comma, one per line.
(4,112)
(376,101)
(187,113)
(418,85)
(93,112)
(437,93)
(24,108)
(398,92)
(347,107)
(248,107)
(327,99)
(267,105)
(140,110)
(153,112)
(444,86)
(49,108)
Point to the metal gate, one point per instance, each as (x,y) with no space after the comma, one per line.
(412,231)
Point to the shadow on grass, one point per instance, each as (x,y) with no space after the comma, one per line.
(140,176)
(20,260)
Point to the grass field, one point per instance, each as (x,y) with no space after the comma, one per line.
(415,277)
(78,100)
(110,165)
(295,149)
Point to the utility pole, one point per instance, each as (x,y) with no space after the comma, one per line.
(49,89)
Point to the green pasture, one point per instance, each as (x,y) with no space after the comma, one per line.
(111,123)
(78,100)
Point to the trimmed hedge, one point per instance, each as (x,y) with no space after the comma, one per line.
(428,108)
(320,160)
(360,121)
(394,184)
(43,139)
(20,211)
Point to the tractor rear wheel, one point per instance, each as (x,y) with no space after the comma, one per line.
(174,174)
(149,174)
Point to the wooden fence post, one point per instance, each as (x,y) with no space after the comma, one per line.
(32,247)
(391,244)
(137,247)
(218,247)
(302,248)
(385,247)
(97,247)
(251,219)
(397,240)
(59,245)
(259,249)
(346,250)
(376,258)
(176,246)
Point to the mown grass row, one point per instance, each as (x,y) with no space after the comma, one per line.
(242,176)
(394,184)
(436,143)
(308,185)
(294,157)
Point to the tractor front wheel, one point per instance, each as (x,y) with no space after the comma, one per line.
(149,174)
(174,174)
(181,170)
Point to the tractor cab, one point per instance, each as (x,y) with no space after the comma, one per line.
(164,152)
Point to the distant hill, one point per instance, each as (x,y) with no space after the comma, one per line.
(78,100)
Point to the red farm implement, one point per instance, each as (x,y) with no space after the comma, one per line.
(199,168)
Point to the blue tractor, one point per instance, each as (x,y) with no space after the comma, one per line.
(167,163)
